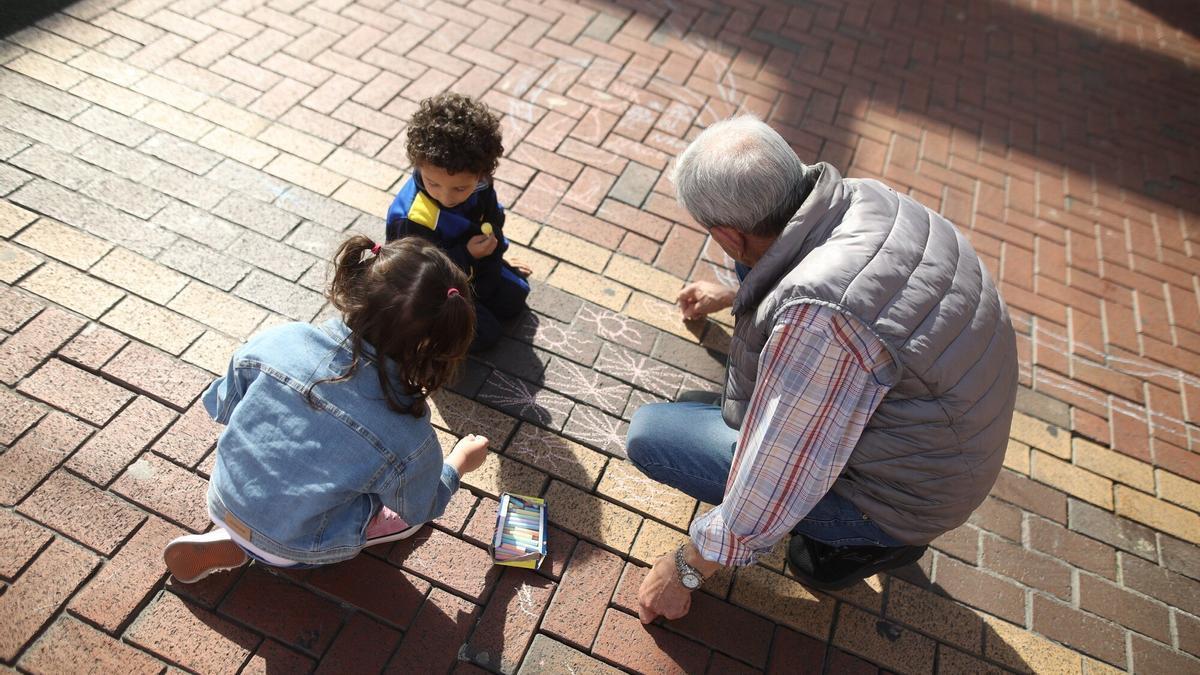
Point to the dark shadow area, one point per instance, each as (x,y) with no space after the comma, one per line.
(1181,14)
(17,14)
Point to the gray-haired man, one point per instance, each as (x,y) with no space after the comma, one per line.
(871,375)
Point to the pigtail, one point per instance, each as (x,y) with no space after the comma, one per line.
(350,265)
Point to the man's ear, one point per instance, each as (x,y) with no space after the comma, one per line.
(733,241)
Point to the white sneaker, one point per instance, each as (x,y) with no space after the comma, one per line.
(195,556)
(387,525)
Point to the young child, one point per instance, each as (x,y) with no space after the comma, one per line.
(327,445)
(454,146)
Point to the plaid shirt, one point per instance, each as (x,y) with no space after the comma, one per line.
(815,393)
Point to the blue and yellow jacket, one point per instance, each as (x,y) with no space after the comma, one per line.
(415,212)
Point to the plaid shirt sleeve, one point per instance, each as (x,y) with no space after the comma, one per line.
(815,392)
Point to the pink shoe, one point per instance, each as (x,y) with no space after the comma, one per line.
(195,556)
(387,525)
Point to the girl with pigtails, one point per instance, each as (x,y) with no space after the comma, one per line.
(327,446)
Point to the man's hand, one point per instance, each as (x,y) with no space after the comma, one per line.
(701,298)
(482,245)
(662,593)
(468,454)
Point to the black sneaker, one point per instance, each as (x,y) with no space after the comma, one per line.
(832,568)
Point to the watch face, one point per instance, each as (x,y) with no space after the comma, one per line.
(691,581)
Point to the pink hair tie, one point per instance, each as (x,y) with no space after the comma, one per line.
(452,292)
(375,249)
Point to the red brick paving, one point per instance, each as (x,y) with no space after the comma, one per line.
(1061,140)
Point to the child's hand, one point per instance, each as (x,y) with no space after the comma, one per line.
(482,245)
(522,270)
(468,454)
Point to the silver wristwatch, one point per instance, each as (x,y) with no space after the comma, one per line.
(689,576)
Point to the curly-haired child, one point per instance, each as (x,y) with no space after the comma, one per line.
(454,145)
(327,446)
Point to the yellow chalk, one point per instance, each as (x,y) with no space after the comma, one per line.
(487,229)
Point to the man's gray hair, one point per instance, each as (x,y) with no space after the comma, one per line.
(740,173)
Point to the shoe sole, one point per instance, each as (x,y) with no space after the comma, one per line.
(402,534)
(858,575)
(191,561)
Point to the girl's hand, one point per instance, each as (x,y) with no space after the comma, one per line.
(482,245)
(468,454)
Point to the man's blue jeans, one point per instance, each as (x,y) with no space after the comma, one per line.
(687,445)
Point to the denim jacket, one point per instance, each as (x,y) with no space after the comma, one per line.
(300,480)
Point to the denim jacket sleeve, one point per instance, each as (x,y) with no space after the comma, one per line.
(423,489)
(225,392)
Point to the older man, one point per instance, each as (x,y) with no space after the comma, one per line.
(871,376)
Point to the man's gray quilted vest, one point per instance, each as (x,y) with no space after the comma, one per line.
(934,446)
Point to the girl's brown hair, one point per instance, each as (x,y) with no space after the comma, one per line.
(413,306)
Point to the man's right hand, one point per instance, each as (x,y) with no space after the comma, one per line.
(468,454)
(482,245)
(701,298)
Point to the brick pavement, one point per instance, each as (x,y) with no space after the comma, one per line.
(174,171)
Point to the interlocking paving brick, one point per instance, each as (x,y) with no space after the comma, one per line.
(624,640)
(935,615)
(556,455)
(270,255)
(375,586)
(69,645)
(509,620)
(72,506)
(64,243)
(596,429)
(191,636)
(121,586)
(572,249)
(13,218)
(114,446)
(35,596)
(625,484)
(577,610)
(426,554)
(1162,584)
(75,391)
(73,290)
(217,310)
(525,400)
(432,643)
(591,518)
(279,295)
(363,645)
(1158,514)
(1131,610)
(1020,649)
(56,166)
(1075,549)
(36,340)
(547,656)
(159,375)
(1072,480)
(15,263)
(164,488)
(588,286)
(153,324)
(783,600)
(204,264)
(1030,568)
(38,453)
(897,648)
(139,275)
(21,539)
(283,610)
(1087,633)
(977,588)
